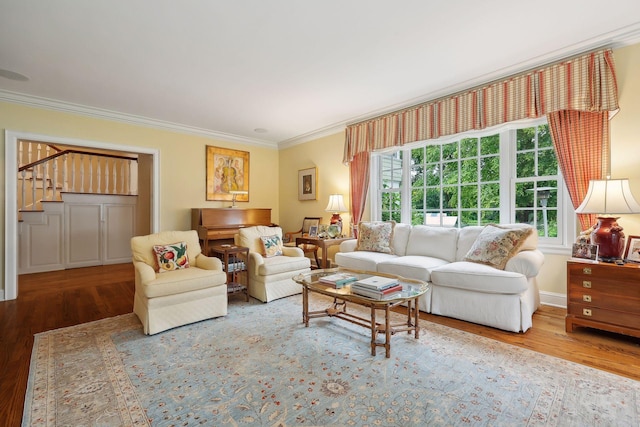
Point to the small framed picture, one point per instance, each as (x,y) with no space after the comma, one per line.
(313,231)
(632,251)
(307,187)
(584,252)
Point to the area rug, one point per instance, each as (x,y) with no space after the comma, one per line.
(260,366)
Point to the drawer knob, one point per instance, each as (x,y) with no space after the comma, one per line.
(586,270)
(586,298)
(586,312)
(586,284)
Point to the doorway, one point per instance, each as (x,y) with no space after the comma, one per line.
(151,171)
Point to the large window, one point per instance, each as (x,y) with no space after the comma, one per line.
(502,176)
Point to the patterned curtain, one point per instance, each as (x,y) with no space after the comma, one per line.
(585,83)
(581,141)
(359,174)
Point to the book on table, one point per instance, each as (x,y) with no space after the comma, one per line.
(391,292)
(377,283)
(339,279)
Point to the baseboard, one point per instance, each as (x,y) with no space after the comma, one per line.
(553,299)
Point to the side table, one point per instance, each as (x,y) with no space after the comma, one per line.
(324,244)
(234,262)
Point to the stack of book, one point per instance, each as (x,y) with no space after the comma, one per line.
(377,287)
(338,280)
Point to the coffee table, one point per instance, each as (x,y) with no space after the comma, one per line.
(412,290)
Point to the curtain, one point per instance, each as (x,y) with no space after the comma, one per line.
(359,181)
(581,141)
(585,83)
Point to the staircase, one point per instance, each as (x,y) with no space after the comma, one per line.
(45,171)
(74,207)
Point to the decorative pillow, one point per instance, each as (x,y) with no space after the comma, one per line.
(495,245)
(171,257)
(272,245)
(376,236)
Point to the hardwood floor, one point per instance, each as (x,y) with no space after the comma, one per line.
(59,299)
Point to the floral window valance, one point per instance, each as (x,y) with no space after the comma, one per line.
(585,83)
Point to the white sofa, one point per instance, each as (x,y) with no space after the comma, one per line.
(470,291)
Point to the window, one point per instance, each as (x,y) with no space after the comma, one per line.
(502,176)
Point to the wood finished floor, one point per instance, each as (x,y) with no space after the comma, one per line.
(58,299)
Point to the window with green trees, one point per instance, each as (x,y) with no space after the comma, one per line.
(505,176)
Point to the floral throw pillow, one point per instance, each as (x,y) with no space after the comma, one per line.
(171,257)
(272,245)
(376,236)
(495,245)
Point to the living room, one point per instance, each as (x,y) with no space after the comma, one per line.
(181,166)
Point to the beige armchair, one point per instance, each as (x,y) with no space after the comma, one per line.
(270,278)
(174,298)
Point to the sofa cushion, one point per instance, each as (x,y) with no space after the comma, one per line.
(362,260)
(411,266)
(282,264)
(437,242)
(495,245)
(271,245)
(479,278)
(182,281)
(376,236)
(171,257)
(401,233)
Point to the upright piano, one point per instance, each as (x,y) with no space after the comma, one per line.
(218,225)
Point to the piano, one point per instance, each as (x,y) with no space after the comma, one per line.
(218,225)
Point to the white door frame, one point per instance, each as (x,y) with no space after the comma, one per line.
(11,139)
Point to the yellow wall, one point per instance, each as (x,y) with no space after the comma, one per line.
(182,164)
(182,160)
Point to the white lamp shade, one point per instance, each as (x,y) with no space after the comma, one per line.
(609,196)
(336,204)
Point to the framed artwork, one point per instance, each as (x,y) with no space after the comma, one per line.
(632,251)
(313,231)
(584,252)
(307,184)
(227,171)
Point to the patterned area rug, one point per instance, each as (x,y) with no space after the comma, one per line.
(260,366)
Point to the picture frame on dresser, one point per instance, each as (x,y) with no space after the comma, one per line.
(584,252)
(632,250)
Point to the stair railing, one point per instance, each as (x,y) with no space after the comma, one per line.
(78,171)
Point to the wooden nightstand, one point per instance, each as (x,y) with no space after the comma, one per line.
(604,296)
(234,261)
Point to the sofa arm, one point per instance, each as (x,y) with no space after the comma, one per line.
(526,262)
(208,263)
(293,252)
(348,245)
(144,272)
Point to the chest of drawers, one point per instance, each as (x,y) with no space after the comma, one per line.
(604,296)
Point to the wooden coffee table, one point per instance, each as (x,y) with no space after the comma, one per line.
(412,290)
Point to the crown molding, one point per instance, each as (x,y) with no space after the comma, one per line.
(68,107)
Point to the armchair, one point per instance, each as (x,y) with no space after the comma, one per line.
(270,277)
(290,237)
(164,300)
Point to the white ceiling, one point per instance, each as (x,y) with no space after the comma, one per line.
(295,68)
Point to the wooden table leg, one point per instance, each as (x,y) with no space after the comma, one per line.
(387,332)
(417,317)
(305,306)
(374,331)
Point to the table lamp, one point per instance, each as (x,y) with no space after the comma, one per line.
(235,194)
(336,205)
(607,198)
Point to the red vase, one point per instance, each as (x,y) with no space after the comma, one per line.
(609,237)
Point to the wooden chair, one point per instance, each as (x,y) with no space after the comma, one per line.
(290,237)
